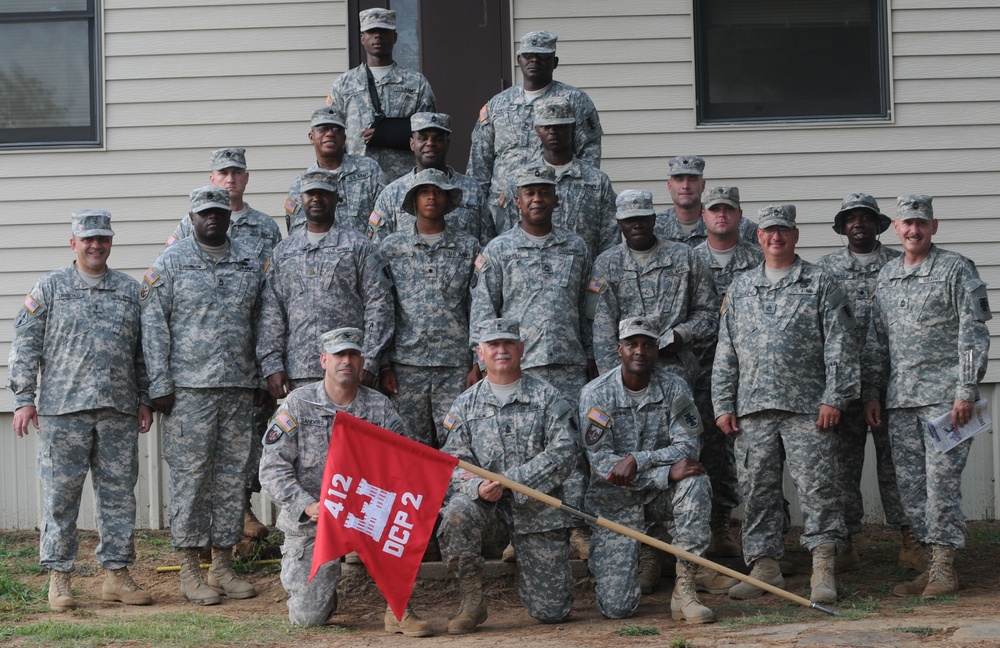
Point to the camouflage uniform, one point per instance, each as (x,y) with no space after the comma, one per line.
(256,232)
(291,474)
(85,343)
(198,332)
(504,139)
(531,440)
(359,183)
(659,431)
(669,229)
(471,216)
(429,352)
(312,288)
(783,350)
(927,346)
(402,92)
(849,443)
(747,256)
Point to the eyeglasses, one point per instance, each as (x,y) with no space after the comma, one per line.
(329,127)
(770,232)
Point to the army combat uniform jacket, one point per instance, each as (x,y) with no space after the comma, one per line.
(359,183)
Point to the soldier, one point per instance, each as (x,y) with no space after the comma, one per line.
(520,426)
(784,372)
(502,140)
(431,264)
(257,231)
(586,199)
(683,222)
(79,328)
(359,179)
(927,350)
(199,304)
(400,92)
(291,472)
(429,140)
(856,266)
(724,251)
(642,434)
(321,276)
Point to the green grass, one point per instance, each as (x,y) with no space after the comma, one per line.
(637,631)
(736,616)
(680,642)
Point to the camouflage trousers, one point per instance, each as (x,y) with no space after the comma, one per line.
(310,602)
(809,453)
(683,507)
(261,416)
(849,459)
(105,442)
(930,483)
(545,576)
(206,442)
(425,394)
(717,455)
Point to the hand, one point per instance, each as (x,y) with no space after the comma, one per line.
(873,414)
(260,397)
(592,372)
(624,471)
(278,385)
(961,412)
(475,375)
(728,424)
(388,379)
(145,417)
(685,468)
(164,404)
(24,415)
(312,511)
(368,379)
(367,133)
(829,417)
(490,491)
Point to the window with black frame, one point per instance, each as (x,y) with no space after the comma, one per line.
(49,74)
(791,60)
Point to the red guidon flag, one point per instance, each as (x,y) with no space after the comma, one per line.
(381,495)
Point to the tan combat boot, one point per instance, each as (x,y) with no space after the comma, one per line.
(473,608)
(223,579)
(847,560)
(60,593)
(942,577)
(193,587)
(711,581)
(912,588)
(822,583)
(252,527)
(119,586)
(766,570)
(911,554)
(684,603)
(410,626)
(649,568)
(579,543)
(723,543)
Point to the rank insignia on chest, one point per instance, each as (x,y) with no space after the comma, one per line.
(599,417)
(770,308)
(449,421)
(31,304)
(902,303)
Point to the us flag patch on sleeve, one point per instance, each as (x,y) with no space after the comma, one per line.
(484,113)
(595,286)
(291,206)
(480,262)
(31,304)
(599,417)
(449,421)
(375,219)
(151,277)
(173,239)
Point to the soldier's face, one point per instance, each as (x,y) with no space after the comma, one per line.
(861,228)
(430,148)
(638,231)
(536,204)
(778,244)
(722,219)
(91,253)
(430,202)
(328,140)
(685,190)
(319,205)
(210,226)
(501,356)
(915,234)
(557,137)
(537,68)
(234,179)
(378,42)
(343,368)
(638,354)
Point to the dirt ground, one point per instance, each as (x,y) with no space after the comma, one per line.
(870,615)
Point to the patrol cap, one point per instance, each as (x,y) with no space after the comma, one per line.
(721,196)
(328,115)
(439,179)
(209,197)
(776,216)
(316,178)
(542,174)
(631,326)
(687,165)
(538,42)
(342,339)
(502,328)
(424,120)
(377,19)
(554,111)
(93,222)
(632,203)
(227,158)
(914,206)
(859,201)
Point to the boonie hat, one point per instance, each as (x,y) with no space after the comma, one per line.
(859,201)
(439,179)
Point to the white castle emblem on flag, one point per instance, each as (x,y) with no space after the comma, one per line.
(377,510)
